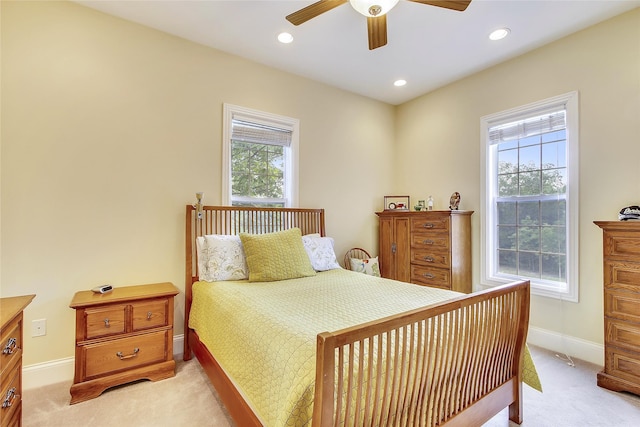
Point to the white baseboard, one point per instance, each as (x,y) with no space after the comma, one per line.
(61,370)
(56,371)
(565,344)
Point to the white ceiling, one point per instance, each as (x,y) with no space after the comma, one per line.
(427,46)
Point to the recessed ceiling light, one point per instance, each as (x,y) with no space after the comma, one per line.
(285,38)
(400,82)
(499,34)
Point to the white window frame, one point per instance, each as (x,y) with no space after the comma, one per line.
(231,112)
(488,159)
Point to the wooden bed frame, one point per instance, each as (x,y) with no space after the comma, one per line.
(461,363)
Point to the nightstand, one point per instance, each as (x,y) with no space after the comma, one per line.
(122,336)
(11,358)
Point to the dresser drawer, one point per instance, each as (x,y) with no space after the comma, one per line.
(150,314)
(623,334)
(431,257)
(622,276)
(622,305)
(11,342)
(622,364)
(11,396)
(125,353)
(621,244)
(431,276)
(435,223)
(430,241)
(105,321)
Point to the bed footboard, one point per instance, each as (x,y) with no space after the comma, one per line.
(453,363)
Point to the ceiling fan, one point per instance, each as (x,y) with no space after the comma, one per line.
(374,10)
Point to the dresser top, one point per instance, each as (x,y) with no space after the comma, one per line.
(11,306)
(630,225)
(404,212)
(124,293)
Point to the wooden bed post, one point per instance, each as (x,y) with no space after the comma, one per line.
(186,355)
(323,407)
(515,409)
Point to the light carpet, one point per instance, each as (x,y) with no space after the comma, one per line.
(571,398)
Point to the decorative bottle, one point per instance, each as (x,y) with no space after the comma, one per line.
(430,203)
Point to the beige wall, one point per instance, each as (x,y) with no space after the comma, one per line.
(438,145)
(108,130)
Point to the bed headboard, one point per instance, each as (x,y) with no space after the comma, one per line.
(236,220)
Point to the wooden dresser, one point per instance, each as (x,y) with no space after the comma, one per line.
(11,359)
(621,247)
(431,248)
(122,336)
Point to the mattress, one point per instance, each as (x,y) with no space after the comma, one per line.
(263,334)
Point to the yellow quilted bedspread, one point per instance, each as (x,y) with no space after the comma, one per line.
(264,334)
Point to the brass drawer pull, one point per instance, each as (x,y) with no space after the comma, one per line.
(428,242)
(11,396)
(429,259)
(149,314)
(12,344)
(106,323)
(123,357)
(429,275)
(428,225)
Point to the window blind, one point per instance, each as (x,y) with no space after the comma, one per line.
(527,127)
(260,133)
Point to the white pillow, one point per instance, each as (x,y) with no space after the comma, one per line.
(368,266)
(320,251)
(201,258)
(224,260)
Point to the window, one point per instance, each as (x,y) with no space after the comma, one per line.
(530,197)
(259,158)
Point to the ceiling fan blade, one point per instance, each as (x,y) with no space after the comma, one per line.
(459,5)
(377,31)
(313,10)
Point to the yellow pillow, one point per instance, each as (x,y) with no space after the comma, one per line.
(276,256)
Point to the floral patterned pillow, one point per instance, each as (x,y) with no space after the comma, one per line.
(320,251)
(368,266)
(225,259)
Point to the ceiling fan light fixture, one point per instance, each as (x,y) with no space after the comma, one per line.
(373,8)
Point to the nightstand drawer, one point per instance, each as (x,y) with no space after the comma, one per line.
(105,321)
(11,397)
(125,353)
(11,342)
(150,314)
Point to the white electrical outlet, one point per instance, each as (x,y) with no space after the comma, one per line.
(38,327)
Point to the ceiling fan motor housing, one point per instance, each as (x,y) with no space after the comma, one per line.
(372,8)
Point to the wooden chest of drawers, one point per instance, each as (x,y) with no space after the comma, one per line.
(431,248)
(11,336)
(122,336)
(621,252)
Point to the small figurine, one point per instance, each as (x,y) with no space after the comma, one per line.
(454,202)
